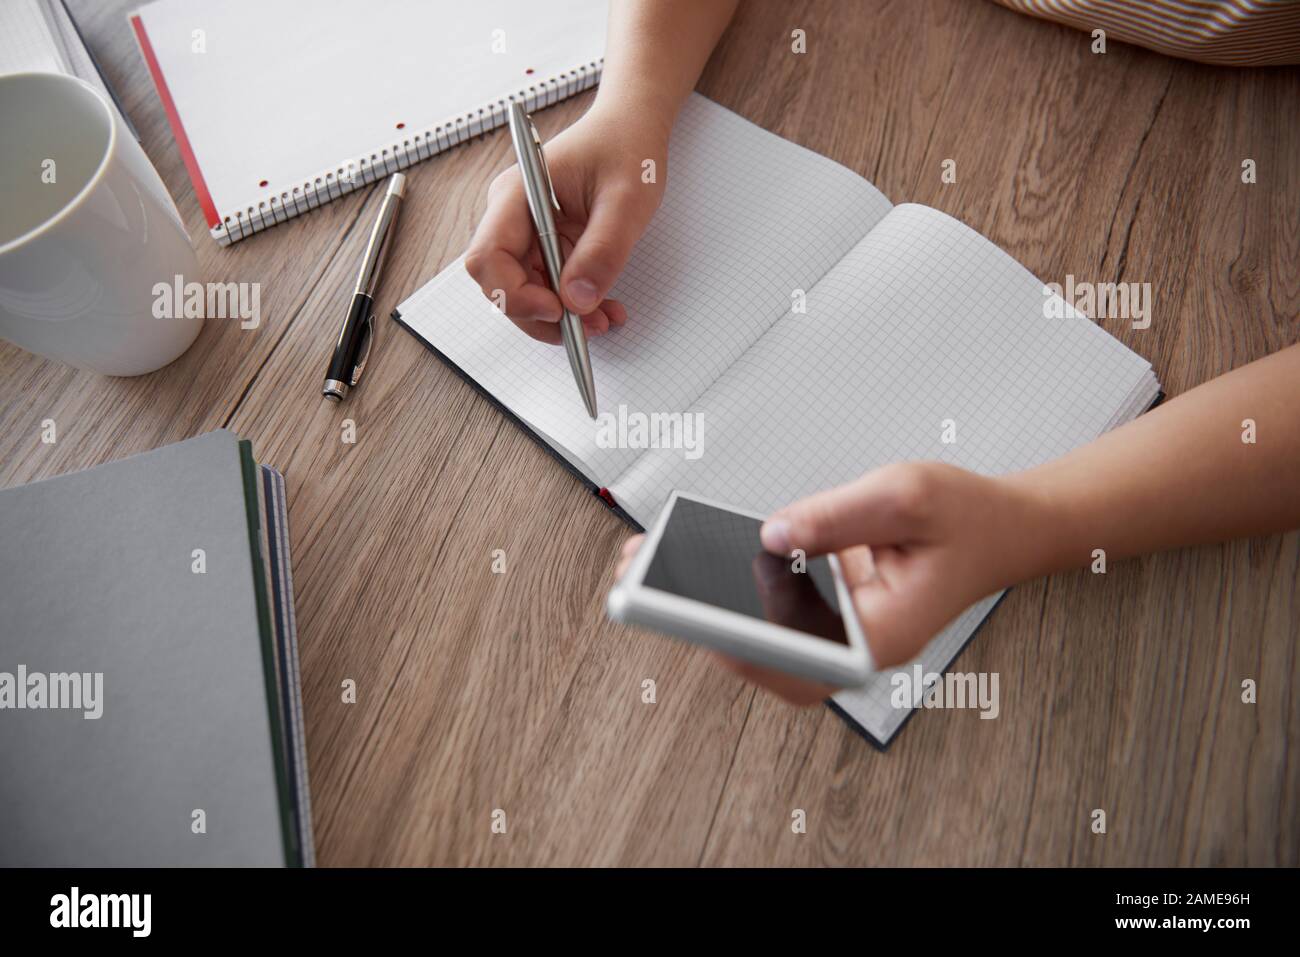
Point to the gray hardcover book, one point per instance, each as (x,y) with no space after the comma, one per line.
(144,715)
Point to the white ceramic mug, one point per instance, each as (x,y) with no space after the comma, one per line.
(87,230)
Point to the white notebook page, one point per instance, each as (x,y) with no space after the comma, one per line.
(747,218)
(39,36)
(26,41)
(29,39)
(287,90)
(923,321)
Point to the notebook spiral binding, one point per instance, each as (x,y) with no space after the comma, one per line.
(352,175)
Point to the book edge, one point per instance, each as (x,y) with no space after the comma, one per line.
(596,490)
(288,833)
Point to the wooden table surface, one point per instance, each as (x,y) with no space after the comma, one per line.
(479,692)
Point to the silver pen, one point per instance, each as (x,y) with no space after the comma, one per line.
(352,348)
(543,205)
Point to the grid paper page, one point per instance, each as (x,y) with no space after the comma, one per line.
(923,321)
(78,57)
(39,35)
(747,217)
(26,42)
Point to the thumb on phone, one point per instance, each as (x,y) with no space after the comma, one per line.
(888,506)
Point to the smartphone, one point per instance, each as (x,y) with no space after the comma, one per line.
(703,576)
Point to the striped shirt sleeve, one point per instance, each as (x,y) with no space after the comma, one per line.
(1230,32)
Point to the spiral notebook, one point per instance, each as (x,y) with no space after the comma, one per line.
(817,331)
(280,107)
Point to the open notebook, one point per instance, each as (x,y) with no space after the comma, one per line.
(912,319)
(279,107)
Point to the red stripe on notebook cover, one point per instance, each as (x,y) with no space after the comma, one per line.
(178,128)
(605,494)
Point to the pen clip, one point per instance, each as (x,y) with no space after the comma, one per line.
(364,354)
(546,171)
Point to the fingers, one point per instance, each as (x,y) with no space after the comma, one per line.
(618,217)
(510,286)
(889,506)
(858,565)
(902,606)
(548,332)
(610,313)
(895,629)
(501,248)
(503,259)
(615,311)
(626,555)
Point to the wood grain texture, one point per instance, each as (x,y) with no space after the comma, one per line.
(481,691)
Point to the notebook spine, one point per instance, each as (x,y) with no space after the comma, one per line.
(355,173)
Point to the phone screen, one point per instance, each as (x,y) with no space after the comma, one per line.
(714,556)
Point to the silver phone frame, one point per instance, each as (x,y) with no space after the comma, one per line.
(760,642)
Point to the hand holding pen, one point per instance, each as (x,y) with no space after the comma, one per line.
(596,168)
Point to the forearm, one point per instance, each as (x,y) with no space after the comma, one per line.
(1179,475)
(654,53)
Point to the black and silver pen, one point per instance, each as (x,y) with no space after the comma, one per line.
(358,332)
